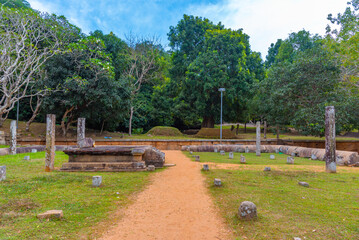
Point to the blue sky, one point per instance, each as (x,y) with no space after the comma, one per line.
(263,20)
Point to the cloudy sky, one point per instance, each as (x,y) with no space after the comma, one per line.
(263,20)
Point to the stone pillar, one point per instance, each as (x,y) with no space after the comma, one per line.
(80,129)
(50,142)
(258,139)
(2,138)
(330,144)
(13,137)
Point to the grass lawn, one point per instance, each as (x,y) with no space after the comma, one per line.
(4,146)
(328,209)
(28,190)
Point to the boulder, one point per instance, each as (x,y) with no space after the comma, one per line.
(304,184)
(205,167)
(247,211)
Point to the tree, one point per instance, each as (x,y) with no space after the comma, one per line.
(28,40)
(300,86)
(144,65)
(15,3)
(85,74)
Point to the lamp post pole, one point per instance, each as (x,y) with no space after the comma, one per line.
(221,90)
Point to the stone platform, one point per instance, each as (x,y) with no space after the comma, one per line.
(113,159)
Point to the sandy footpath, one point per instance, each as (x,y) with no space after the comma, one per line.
(175,206)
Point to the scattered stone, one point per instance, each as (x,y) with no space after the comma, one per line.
(246,150)
(272,157)
(314,157)
(217,182)
(2,173)
(191,153)
(294,154)
(33,150)
(205,167)
(151,168)
(304,184)
(247,211)
(215,150)
(197,158)
(243,159)
(51,214)
(222,152)
(297,238)
(96,181)
(231,155)
(267,169)
(290,160)
(277,150)
(27,158)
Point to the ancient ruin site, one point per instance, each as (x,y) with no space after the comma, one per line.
(179,120)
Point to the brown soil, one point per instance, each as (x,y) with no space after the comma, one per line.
(176,205)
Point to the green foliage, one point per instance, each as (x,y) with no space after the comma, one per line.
(214,57)
(15,3)
(302,81)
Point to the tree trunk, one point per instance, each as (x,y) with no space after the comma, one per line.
(265,130)
(34,114)
(245,127)
(237,131)
(208,122)
(277,133)
(65,126)
(130,123)
(103,124)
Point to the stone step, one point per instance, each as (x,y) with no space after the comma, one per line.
(104,158)
(104,166)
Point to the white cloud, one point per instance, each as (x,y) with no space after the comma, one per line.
(267,20)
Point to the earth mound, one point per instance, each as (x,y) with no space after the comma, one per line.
(164,131)
(215,133)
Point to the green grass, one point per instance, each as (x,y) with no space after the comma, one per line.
(28,191)
(4,146)
(328,209)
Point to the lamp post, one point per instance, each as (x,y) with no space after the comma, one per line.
(221,90)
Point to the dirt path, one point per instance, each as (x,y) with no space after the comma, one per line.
(175,206)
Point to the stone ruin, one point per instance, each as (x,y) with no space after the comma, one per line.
(113,158)
(343,158)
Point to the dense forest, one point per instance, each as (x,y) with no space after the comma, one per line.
(48,65)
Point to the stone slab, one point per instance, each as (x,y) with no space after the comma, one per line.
(51,214)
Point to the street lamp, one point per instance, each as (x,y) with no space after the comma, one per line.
(221,90)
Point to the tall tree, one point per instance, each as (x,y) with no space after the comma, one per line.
(144,65)
(28,40)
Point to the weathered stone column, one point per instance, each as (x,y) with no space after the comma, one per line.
(50,142)
(2,138)
(13,137)
(258,139)
(80,130)
(330,144)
